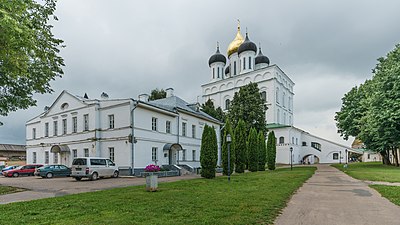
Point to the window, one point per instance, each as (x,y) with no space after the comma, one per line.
(154,124)
(86,122)
(55,158)
(290,103)
(194,155)
(234,68)
(34,133)
(335,156)
(368,156)
(111,150)
(74,153)
(316,145)
(284,118)
(193,131)
(98,162)
(244,63)
(278,117)
(213,73)
(283,99)
(86,152)
(217,72)
(281,140)
(46,157)
(55,128)
(46,129)
(111,121)
(227,104)
(184,129)
(304,143)
(264,96)
(277,95)
(292,140)
(154,154)
(297,141)
(184,155)
(64,124)
(74,124)
(34,157)
(250,62)
(168,126)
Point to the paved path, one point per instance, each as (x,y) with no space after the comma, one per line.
(332,197)
(38,188)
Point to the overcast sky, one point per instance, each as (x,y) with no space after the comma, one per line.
(126,48)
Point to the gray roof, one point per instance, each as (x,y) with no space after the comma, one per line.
(10,147)
(175,103)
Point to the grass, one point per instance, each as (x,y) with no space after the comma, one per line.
(251,198)
(373,171)
(8,190)
(390,192)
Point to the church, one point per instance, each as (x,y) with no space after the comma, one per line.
(245,63)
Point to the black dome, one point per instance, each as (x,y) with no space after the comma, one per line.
(261,58)
(217,57)
(247,45)
(227,70)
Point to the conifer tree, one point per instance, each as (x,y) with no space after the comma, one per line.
(240,147)
(209,152)
(271,151)
(228,130)
(252,150)
(262,151)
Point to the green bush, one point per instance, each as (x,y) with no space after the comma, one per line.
(252,150)
(240,147)
(262,151)
(209,152)
(271,151)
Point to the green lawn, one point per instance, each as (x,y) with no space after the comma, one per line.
(373,171)
(390,192)
(251,198)
(8,190)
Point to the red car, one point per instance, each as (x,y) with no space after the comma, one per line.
(22,170)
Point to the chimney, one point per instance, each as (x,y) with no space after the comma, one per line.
(144,97)
(104,95)
(170,92)
(86,96)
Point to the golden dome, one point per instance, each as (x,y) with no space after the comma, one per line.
(234,45)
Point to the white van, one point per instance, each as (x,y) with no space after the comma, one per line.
(93,168)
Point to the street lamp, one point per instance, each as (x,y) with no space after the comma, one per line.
(340,157)
(346,157)
(229,140)
(291,158)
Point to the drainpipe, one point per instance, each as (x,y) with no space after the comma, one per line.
(97,129)
(177,134)
(135,103)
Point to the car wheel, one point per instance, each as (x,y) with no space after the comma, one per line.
(94,176)
(49,175)
(115,174)
(15,175)
(78,178)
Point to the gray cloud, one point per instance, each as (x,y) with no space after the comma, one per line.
(126,48)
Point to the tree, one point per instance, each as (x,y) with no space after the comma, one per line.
(248,105)
(262,152)
(157,94)
(209,108)
(271,151)
(228,130)
(240,147)
(209,152)
(252,150)
(29,53)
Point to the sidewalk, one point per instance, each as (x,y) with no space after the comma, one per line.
(332,197)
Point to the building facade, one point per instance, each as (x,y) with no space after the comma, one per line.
(132,133)
(246,63)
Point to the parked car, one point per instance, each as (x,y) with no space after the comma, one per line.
(51,171)
(93,168)
(8,168)
(22,170)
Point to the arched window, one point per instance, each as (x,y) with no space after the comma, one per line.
(283,99)
(218,72)
(264,96)
(227,104)
(244,63)
(277,95)
(213,73)
(278,116)
(250,62)
(290,120)
(284,118)
(234,68)
(281,140)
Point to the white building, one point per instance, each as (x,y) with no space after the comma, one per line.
(244,65)
(133,133)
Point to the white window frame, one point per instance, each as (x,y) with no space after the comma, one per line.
(184,129)
(111,121)
(86,152)
(55,158)
(74,153)
(168,127)
(34,157)
(193,131)
(194,155)
(55,127)
(111,151)
(46,157)
(154,121)
(154,154)
(46,129)
(85,122)
(183,154)
(33,133)
(64,123)
(74,124)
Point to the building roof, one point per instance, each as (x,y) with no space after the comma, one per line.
(174,103)
(11,147)
(276,125)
